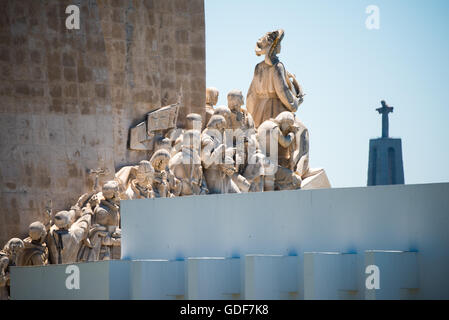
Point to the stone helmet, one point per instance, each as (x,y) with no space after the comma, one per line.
(269,43)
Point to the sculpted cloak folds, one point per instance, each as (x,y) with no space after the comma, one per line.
(273,89)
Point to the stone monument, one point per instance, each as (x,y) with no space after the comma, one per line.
(385,164)
(128,106)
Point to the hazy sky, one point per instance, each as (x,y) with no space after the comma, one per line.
(345,70)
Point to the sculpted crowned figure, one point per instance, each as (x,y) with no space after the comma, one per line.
(273,89)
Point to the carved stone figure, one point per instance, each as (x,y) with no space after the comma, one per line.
(240,117)
(244,137)
(4,277)
(211,100)
(186,165)
(226,113)
(273,89)
(218,168)
(161,186)
(140,187)
(35,252)
(65,238)
(276,139)
(9,256)
(105,234)
(254,172)
(13,249)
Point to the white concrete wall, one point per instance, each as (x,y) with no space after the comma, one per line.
(214,278)
(157,279)
(350,220)
(330,275)
(97,280)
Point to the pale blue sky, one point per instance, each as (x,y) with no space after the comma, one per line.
(345,70)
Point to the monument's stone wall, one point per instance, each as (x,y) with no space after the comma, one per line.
(68,97)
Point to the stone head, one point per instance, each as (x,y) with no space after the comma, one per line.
(270,45)
(13,246)
(235,99)
(217,122)
(37,232)
(145,172)
(110,189)
(225,112)
(63,219)
(160,160)
(194,121)
(211,96)
(286,121)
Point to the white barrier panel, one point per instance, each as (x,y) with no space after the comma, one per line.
(330,275)
(271,277)
(157,279)
(105,280)
(399,217)
(213,278)
(391,275)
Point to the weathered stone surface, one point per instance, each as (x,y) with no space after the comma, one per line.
(69,97)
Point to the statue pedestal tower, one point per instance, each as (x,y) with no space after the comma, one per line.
(385,164)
